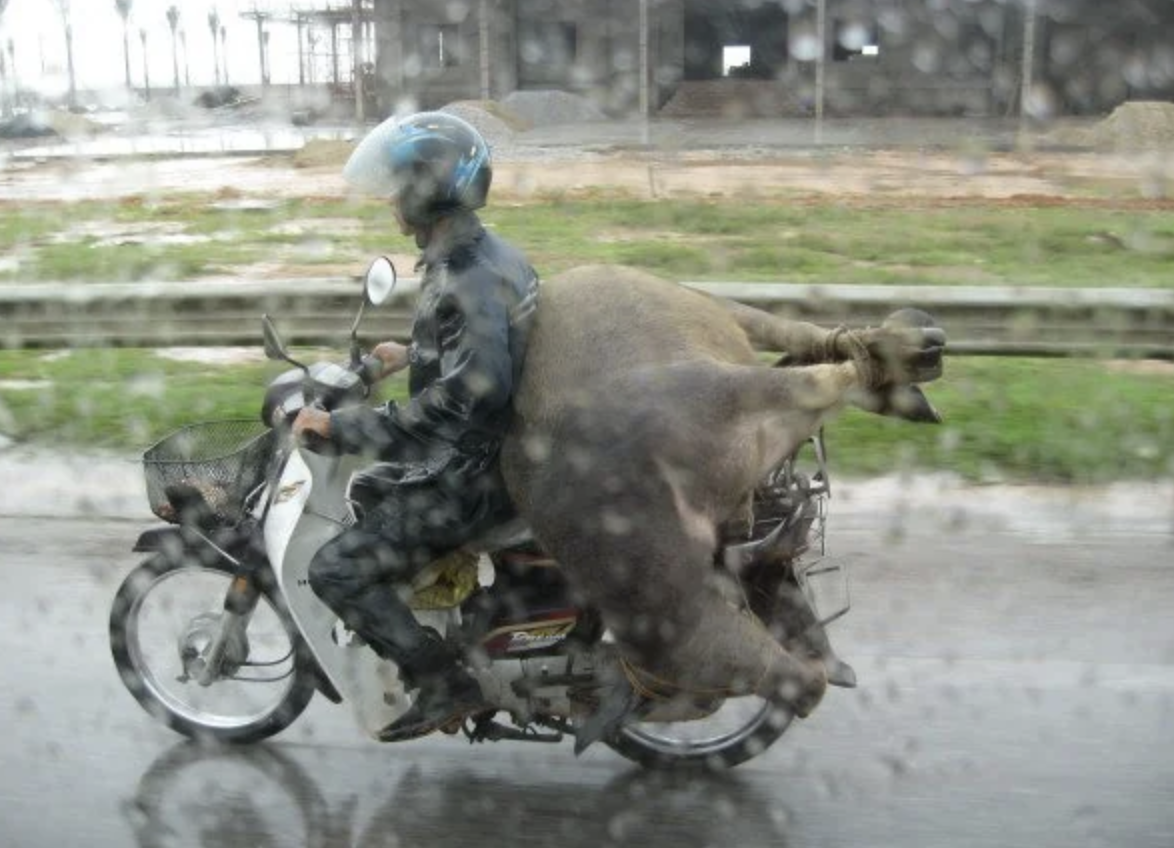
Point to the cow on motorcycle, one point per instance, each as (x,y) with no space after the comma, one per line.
(653,573)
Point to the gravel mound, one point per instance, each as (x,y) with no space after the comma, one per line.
(496,124)
(734,99)
(549,107)
(1142,125)
(319,152)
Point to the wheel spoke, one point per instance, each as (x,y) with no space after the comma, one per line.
(169,627)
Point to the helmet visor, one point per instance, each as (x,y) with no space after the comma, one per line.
(369,168)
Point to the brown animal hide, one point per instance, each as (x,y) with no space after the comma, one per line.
(644,420)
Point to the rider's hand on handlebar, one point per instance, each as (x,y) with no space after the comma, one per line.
(393,355)
(311,423)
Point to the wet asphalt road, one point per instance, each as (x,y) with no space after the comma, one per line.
(1017,689)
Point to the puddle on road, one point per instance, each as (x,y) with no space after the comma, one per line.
(207,142)
(72,182)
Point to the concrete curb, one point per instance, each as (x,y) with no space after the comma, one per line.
(1011,320)
(66,485)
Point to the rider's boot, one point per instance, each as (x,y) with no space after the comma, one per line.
(446,693)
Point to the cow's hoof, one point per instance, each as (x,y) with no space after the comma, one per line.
(841,674)
(802,688)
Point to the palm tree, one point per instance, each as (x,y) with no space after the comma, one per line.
(224,50)
(214,26)
(63,8)
(146,69)
(7,108)
(173,22)
(12,65)
(123,7)
(187,70)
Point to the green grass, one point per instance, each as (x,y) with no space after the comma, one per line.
(1041,420)
(1088,243)
(1038,420)
(127,399)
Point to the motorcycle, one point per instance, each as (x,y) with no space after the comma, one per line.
(219,635)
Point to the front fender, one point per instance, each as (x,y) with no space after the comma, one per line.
(159,540)
(176,541)
(228,545)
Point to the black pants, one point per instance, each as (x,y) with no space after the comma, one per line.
(360,573)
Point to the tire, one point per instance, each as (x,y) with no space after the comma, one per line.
(193,723)
(653,747)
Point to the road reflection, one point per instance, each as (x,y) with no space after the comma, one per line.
(264,798)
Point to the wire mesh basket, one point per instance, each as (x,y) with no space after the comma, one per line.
(210,467)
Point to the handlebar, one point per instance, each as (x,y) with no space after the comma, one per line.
(369,369)
(322,385)
(310,440)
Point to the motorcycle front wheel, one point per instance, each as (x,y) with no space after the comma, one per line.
(739,730)
(163,620)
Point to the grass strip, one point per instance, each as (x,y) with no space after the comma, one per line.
(1078,421)
(807,240)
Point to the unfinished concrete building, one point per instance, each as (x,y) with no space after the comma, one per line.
(744,58)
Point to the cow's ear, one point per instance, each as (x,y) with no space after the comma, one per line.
(908,403)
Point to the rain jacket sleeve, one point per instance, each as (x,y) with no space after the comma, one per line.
(472,389)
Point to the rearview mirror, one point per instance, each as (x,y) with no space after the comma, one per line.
(378,284)
(380,281)
(274,346)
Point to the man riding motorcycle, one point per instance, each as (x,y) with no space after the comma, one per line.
(436,483)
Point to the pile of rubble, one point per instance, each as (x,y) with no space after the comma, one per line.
(550,107)
(1132,127)
(735,99)
(494,123)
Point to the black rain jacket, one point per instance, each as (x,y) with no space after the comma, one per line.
(469,333)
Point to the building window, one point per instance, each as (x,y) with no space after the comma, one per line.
(855,38)
(440,45)
(735,60)
(554,44)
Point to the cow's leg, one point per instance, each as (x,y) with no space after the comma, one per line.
(811,388)
(773,411)
(658,595)
(633,539)
(801,341)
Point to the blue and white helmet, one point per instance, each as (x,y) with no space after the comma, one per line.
(434,162)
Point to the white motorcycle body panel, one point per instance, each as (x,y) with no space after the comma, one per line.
(309,509)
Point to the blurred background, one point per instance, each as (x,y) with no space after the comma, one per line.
(171,171)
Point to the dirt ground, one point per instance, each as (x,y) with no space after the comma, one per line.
(859,178)
(854,176)
(1025,179)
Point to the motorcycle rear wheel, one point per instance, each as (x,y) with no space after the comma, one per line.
(754,724)
(295,685)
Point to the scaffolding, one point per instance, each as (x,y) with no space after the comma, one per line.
(327,37)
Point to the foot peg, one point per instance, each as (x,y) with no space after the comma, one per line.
(488,730)
(617,701)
